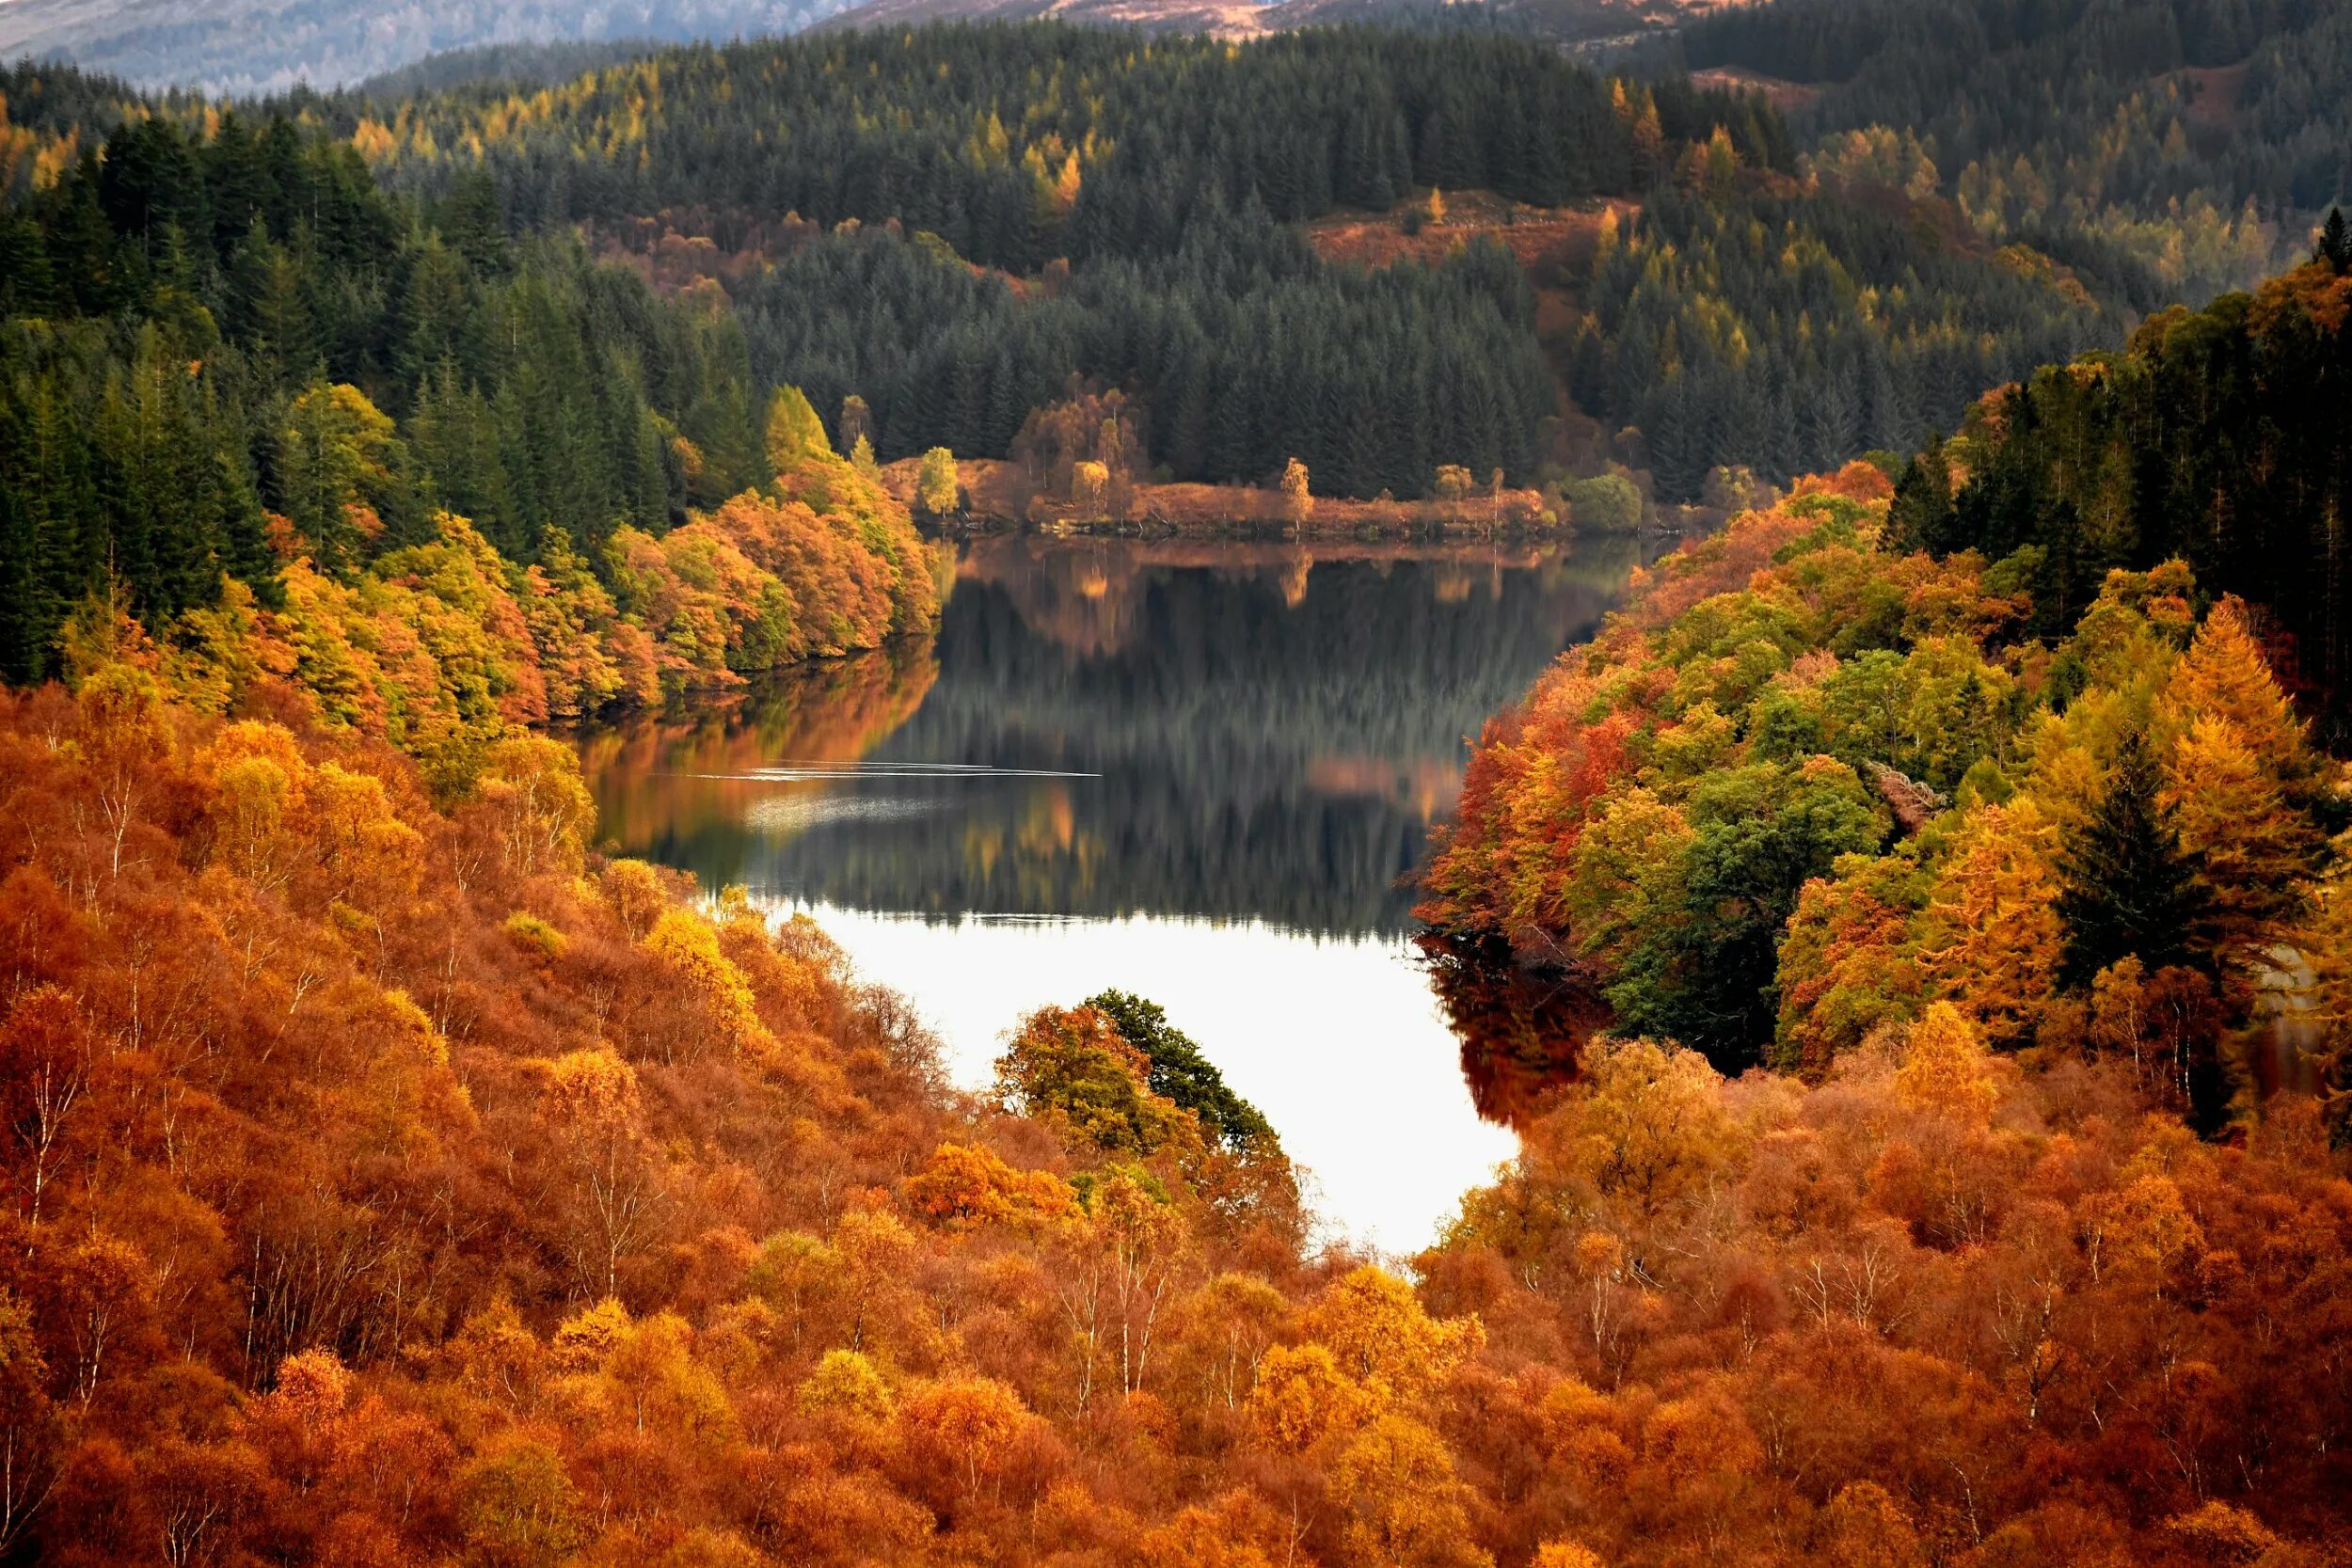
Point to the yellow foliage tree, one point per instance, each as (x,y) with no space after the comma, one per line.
(936,486)
(846,1386)
(1565,1554)
(974,1186)
(1380,1335)
(1649,1130)
(1297,501)
(532,786)
(2224,677)
(1944,1067)
(1994,939)
(2252,850)
(1090,486)
(1302,1399)
(1404,1501)
(690,945)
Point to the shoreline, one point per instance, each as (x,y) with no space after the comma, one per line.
(997,494)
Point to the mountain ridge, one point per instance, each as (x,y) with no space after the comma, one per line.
(247,47)
(242,47)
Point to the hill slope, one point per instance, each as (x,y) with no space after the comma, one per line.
(251,46)
(1567,20)
(258,46)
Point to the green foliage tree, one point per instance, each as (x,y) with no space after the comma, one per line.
(1183,1075)
(2335,242)
(339,465)
(2126,890)
(1692,919)
(1073,1066)
(1603,504)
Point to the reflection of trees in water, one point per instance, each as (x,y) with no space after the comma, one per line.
(1274,734)
(1084,594)
(675,787)
(1522,1029)
(1257,758)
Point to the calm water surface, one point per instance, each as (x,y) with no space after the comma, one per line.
(1203,772)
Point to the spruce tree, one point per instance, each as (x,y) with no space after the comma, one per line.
(2335,242)
(2126,887)
(1920,516)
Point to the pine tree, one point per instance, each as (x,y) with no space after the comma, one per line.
(1921,513)
(2335,242)
(2126,887)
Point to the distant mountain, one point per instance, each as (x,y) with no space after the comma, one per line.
(1584,21)
(260,46)
(1224,18)
(239,47)
(1569,21)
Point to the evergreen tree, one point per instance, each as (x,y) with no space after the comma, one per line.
(1922,507)
(2335,241)
(2126,887)
(1181,1072)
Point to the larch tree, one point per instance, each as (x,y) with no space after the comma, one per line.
(2238,777)
(1994,939)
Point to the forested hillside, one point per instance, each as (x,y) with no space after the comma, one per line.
(2203,138)
(245,47)
(1935,199)
(1033,205)
(2222,437)
(2004,733)
(238,381)
(1744,319)
(2083,163)
(1159,204)
(1787,329)
(1142,197)
(393,1182)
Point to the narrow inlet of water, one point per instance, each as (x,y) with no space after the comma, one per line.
(1201,772)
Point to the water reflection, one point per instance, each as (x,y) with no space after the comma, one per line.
(1520,1029)
(1199,770)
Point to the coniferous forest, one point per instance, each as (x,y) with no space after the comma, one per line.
(1909,943)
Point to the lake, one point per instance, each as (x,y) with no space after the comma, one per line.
(1201,771)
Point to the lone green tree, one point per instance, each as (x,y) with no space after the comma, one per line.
(1182,1073)
(2335,241)
(2126,887)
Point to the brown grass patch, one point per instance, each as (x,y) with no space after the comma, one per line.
(1542,238)
(2213,93)
(1780,94)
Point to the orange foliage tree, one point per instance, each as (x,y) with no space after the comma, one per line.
(390,1180)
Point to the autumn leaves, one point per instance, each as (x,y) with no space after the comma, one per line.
(1682,809)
